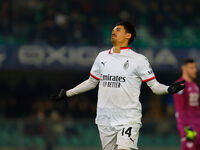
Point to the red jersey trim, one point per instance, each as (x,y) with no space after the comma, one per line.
(94,76)
(149,79)
(121,48)
(124,48)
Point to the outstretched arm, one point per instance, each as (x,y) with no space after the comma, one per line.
(85,86)
(161,89)
(157,88)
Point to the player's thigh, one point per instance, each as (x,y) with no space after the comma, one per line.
(108,138)
(127,137)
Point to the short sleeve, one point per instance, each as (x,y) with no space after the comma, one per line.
(95,71)
(145,71)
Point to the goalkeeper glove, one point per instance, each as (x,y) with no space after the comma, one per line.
(190,133)
(60,96)
(176,87)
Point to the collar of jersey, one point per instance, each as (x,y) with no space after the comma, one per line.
(121,48)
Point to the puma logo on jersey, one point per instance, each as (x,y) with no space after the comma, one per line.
(150,71)
(132,140)
(103,63)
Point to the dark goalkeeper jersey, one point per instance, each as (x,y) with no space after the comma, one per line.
(187,110)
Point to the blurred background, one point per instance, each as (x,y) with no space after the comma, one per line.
(48,45)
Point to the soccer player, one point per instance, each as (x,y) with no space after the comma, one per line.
(187,108)
(120,72)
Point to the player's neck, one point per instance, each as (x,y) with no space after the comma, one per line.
(186,78)
(116,47)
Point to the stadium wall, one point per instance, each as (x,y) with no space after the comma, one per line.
(80,58)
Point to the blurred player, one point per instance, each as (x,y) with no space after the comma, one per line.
(187,108)
(120,72)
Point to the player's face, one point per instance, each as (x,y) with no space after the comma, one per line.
(190,70)
(119,35)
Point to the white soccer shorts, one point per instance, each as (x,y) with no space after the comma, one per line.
(113,138)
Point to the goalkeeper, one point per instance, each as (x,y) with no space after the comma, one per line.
(120,72)
(187,108)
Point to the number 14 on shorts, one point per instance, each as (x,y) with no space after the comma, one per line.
(128,132)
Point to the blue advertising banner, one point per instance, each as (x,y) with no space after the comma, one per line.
(80,58)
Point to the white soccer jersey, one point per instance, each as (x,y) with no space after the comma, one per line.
(121,75)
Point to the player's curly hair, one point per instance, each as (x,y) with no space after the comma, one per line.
(130,28)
